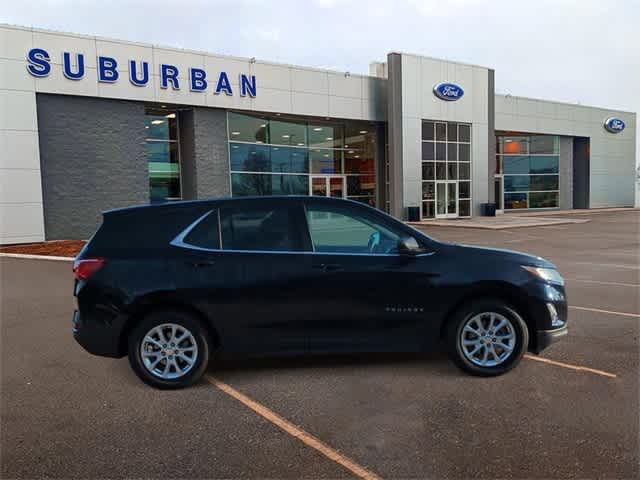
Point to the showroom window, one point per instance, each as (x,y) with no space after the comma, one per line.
(446,169)
(275,155)
(163,155)
(529,167)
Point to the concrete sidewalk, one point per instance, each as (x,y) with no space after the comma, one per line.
(522,219)
(499,222)
(575,211)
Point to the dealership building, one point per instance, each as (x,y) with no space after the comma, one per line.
(89,124)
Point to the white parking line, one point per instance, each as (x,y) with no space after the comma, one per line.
(577,368)
(619,253)
(599,282)
(36,257)
(610,312)
(295,432)
(612,265)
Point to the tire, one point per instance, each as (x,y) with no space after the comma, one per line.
(467,349)
(169,367)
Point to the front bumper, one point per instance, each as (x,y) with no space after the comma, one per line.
(547,337)
(548,312)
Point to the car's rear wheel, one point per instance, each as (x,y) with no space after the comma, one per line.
(487,337)
(169,349)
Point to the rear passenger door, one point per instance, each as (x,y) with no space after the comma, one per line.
(245,271)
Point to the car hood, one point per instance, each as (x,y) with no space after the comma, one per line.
(475,253)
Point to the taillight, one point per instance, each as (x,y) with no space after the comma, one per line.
(86,267)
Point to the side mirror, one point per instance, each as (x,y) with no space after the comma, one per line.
(409,246)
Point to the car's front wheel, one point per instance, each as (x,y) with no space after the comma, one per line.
(487,337)
(169,349)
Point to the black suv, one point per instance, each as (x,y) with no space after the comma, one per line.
(170,284)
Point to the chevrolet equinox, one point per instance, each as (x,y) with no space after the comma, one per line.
(169,285)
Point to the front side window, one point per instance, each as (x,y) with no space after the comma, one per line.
(339,231)
(259,228)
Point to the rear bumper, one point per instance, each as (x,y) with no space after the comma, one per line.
(547,337)
(96,336)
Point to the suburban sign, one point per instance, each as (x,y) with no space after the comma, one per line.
(614,125)
(108,71)
(448,91)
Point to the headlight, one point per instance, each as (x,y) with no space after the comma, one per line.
(550,275)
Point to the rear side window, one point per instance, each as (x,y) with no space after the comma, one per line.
(206,233)
(260,228)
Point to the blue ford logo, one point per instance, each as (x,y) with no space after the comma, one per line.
(448,91)
(614,125)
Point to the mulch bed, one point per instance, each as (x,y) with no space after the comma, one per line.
(55,248)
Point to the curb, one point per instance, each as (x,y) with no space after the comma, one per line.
(582,211)
(36,257)
(454,224)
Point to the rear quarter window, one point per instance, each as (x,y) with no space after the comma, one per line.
(206,234)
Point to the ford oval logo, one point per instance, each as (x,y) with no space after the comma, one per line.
(614,125)
(448,91)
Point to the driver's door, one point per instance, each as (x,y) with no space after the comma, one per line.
(367,296)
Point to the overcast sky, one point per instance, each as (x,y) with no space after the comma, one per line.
(585,51)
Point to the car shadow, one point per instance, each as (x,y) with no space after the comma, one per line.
(230,367)
(432,361)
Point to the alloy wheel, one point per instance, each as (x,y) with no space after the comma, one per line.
(488,339)
(169,351)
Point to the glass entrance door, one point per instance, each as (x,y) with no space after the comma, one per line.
(328,186)
(318,187)
(447,199)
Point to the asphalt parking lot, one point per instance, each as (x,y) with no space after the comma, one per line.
(65,413)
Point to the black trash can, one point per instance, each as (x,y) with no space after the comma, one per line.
(413,214)
(488,209)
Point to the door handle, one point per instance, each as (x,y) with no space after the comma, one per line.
(329,267)
(203,263)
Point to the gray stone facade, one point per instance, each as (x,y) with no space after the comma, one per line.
(92,158)
(188,173)
(209,153)
(204,153)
